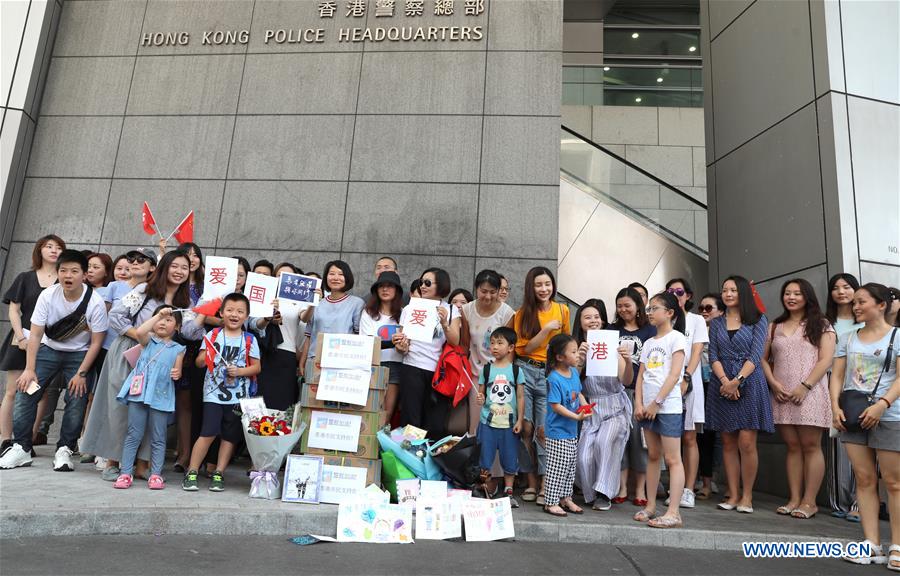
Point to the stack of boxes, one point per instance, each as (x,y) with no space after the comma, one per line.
(366,454)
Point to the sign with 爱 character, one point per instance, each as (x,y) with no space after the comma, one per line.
(220,277)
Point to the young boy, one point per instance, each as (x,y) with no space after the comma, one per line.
(229,374)
(68,348)
(501,392)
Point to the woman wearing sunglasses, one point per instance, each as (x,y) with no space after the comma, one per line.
(696,336)
(711,306)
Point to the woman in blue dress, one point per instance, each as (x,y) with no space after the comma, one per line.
(737,403)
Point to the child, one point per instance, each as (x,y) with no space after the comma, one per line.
(658,407)
(231,365)
(149,393)
(561,426)
(503,408)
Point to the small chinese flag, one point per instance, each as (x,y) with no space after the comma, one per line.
(210,308)
(210,354)
(147,220)
(185,231)
(757,299)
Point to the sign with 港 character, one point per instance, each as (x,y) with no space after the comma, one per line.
(602,357)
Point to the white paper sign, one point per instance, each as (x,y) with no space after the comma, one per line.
(602,358)
(488,519)
(438,518)
(341,482)
(260,291)
(348,386)
(360,520)
(331,431)
(420,317)
(347,351)
(408,492)
(433,489)
(220,277)
(253,407)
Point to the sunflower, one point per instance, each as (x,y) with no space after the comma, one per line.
(266,429)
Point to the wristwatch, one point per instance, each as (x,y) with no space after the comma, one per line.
(83,373)
(741,379)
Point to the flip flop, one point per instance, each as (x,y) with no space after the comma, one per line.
(803,512)
(838,514)
(557,514)
(785,510)
(852,517)
(529,495)
(642,516)
(575,510)
(665,522)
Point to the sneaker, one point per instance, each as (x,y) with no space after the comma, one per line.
(687,499)
(4,446)
(62,461)
(100,463)
(512,501)
(14,457)
(156,482)
(87,459)
(110,474)
(123,481)
(189,482)
(602,503)
(216,482)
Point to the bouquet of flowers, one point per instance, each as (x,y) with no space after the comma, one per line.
(270,437)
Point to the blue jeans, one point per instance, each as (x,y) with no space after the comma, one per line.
(48,364)
(535,411)
(139,414)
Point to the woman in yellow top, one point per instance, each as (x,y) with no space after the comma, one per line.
(538,320)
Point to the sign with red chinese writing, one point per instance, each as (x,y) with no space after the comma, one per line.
(333,431)
(602,358)
(419,319)
(220,276)
(260,291)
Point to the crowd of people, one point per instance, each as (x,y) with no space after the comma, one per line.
(120,339)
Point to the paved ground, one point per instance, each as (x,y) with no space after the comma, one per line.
(37,501)
(225,556)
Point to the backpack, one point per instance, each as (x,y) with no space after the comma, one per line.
(453,375)
(248,340)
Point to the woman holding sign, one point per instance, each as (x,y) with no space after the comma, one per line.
(427,323)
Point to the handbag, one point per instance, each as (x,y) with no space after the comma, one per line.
(72,324)
(854,402)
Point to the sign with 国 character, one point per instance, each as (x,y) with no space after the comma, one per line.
(260,291)
(333,431)
(419,319)
(602,357)
(220,277)
(298,288)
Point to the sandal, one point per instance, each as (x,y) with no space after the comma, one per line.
(876,556)
(785,510)
(123,482)
(804,512)
(570,506)
(529,495)
(852,517)
(643,516)
(539,500)
(893,562)
(703,494)
(665,521)
(549,510)
(156,482)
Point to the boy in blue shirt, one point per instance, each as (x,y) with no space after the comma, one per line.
(231,367)
(501,392)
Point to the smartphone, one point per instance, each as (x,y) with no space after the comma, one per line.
(33,387)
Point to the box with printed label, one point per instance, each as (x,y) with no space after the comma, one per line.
(379,380)
(373,467)
(368,448)
(308,400)
(371,421)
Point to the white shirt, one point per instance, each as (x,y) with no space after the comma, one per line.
(657,360)
(292,329)
(379,328)
(52,306)
(425,355)
(695,332)
(480,329)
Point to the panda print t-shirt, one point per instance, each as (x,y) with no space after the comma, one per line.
(499,409)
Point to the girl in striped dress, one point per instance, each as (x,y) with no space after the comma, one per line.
(604,433)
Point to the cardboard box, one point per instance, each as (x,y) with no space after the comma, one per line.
(376,350)
(308,400)
(371,421)
(368,448)
(379,380)
(373,467)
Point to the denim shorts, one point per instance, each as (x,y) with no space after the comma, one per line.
(502,439)
(671,425)
(535,393)
(394,370)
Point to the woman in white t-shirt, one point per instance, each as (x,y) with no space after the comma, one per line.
(480,318)
(418,405)
(658,407)
(381,319)
(696,335)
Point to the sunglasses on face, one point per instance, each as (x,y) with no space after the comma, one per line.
(427,283)
(136,259)
(707,308)
(676,291)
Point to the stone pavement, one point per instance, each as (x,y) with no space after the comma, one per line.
(37,501)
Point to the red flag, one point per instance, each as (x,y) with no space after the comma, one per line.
(147,220)
(210,353)
(757,299)
(185,231)
(210,308)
